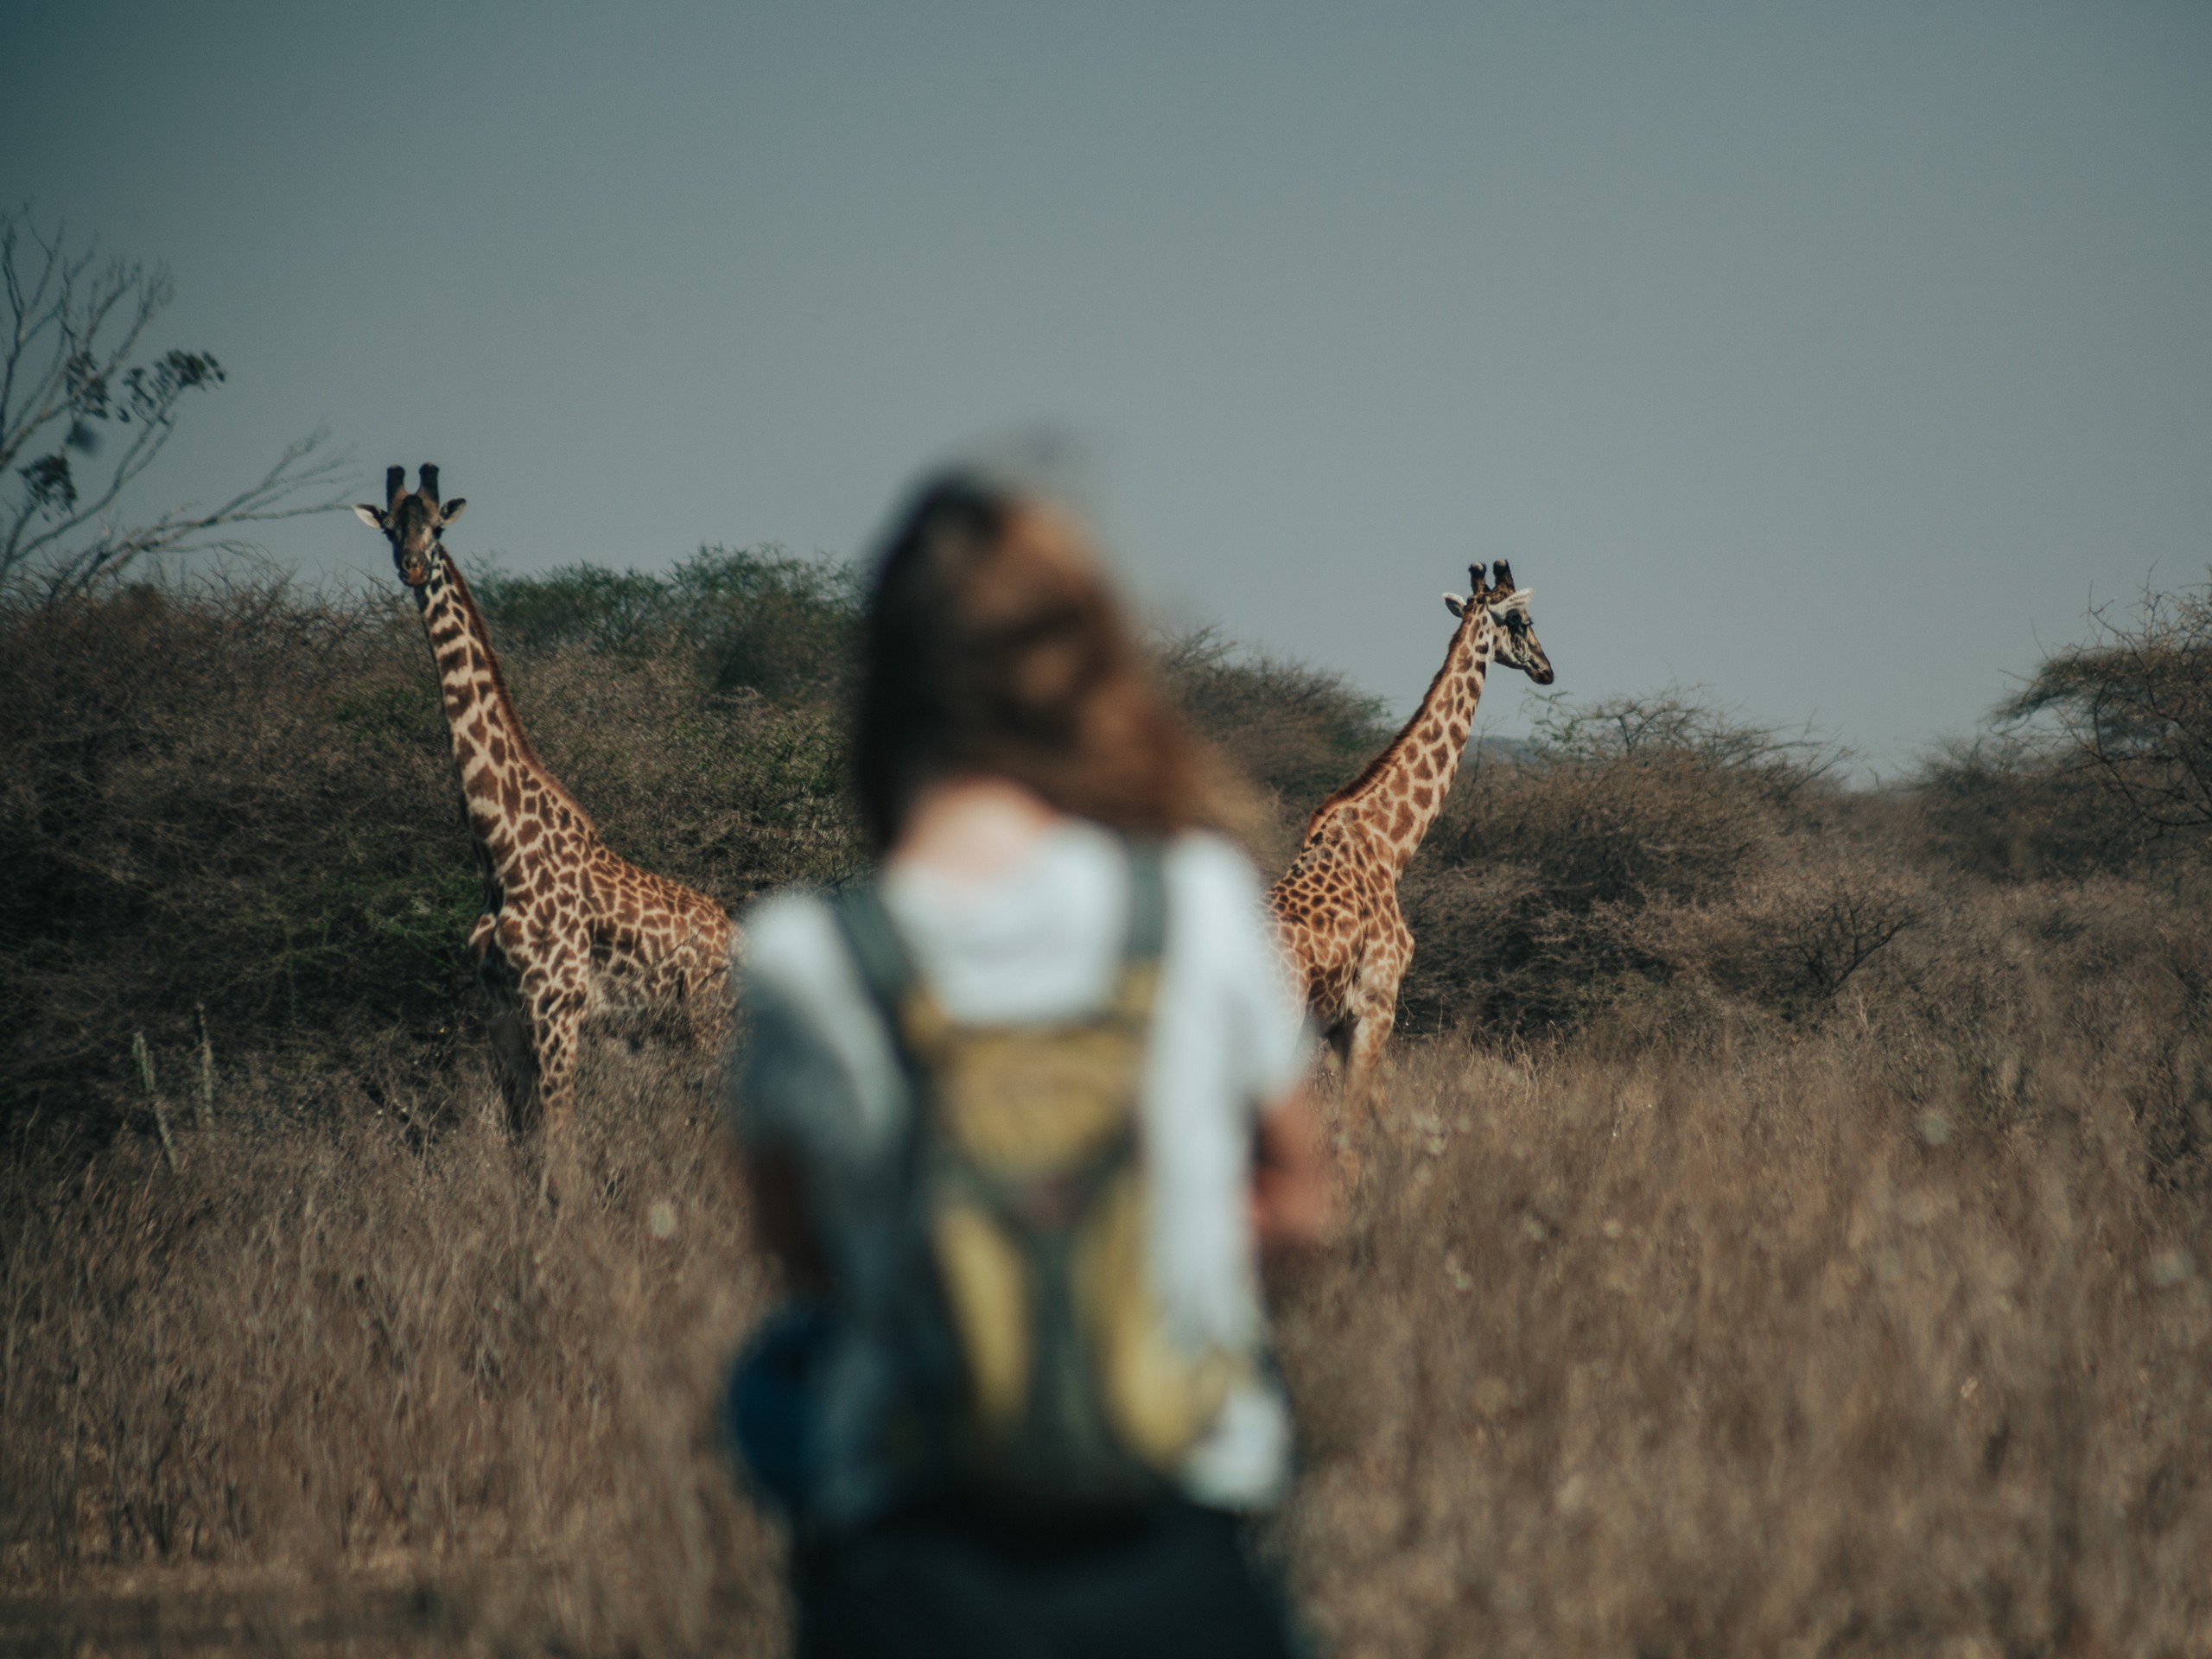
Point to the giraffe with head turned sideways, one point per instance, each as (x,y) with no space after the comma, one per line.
(569,928)
(1336,908)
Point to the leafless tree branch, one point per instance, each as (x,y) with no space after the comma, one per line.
(73,372)
(1680,720)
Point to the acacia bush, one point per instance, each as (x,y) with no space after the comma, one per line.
(1640,843)
(2134,702)
(236,795)
(1295,732)
(2101,762)
(235,798)
(759,620)
(2013,806)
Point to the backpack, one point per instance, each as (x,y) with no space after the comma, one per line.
(1044,1373)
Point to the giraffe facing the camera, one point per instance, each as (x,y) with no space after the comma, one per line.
(570,928)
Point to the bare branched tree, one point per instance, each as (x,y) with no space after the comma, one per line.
(1843,929)
(1679,720)
(2136,700)
(77,378)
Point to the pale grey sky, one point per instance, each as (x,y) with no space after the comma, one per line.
(1831,356)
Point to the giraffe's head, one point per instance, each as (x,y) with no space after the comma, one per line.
(1504,609)
(412,523)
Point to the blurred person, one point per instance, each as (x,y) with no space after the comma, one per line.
(1025,1115)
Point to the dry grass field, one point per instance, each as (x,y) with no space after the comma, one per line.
(1787,1236)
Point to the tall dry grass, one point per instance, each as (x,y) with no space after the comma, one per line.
(344,1338)
(1758,1354)
(1777,1348)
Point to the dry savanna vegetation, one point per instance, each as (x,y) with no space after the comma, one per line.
(1787,1234)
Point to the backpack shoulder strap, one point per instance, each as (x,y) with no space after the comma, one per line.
(1147,933)
(910,1012)
(877,949)
(1147,901)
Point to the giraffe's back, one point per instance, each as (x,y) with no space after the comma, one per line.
(656,944)
(1323,911)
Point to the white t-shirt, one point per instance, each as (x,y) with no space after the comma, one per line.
(1044,941)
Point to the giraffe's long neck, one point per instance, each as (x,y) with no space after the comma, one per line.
(498,769)
(1398,795)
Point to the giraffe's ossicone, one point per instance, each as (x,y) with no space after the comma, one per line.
(568,927)
(1336,908)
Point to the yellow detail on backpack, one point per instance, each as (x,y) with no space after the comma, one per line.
(987,1287)
(1160,1397)
(1032,1112)
(1031,1194)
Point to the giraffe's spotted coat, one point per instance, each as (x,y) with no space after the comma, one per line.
(570,928)
(1336,908)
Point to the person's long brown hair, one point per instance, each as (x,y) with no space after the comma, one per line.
(993,645)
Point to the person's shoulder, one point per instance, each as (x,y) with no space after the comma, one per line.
(1210,865)
(789,936)
(1226,953)
(1212,885)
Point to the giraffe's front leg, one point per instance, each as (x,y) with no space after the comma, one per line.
(711,990)
(1365,1034)
(514,1050)
(554,996)
(1364,1093)
(555,1005)
(1373,1006)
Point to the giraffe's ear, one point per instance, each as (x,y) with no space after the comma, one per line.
(373,516)
(1454,604)
(1505,604)
(451,510)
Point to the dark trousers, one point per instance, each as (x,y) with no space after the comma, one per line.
(948,1580)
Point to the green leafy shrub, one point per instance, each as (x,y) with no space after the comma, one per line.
(239,795)
(764,621)
(234,796)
